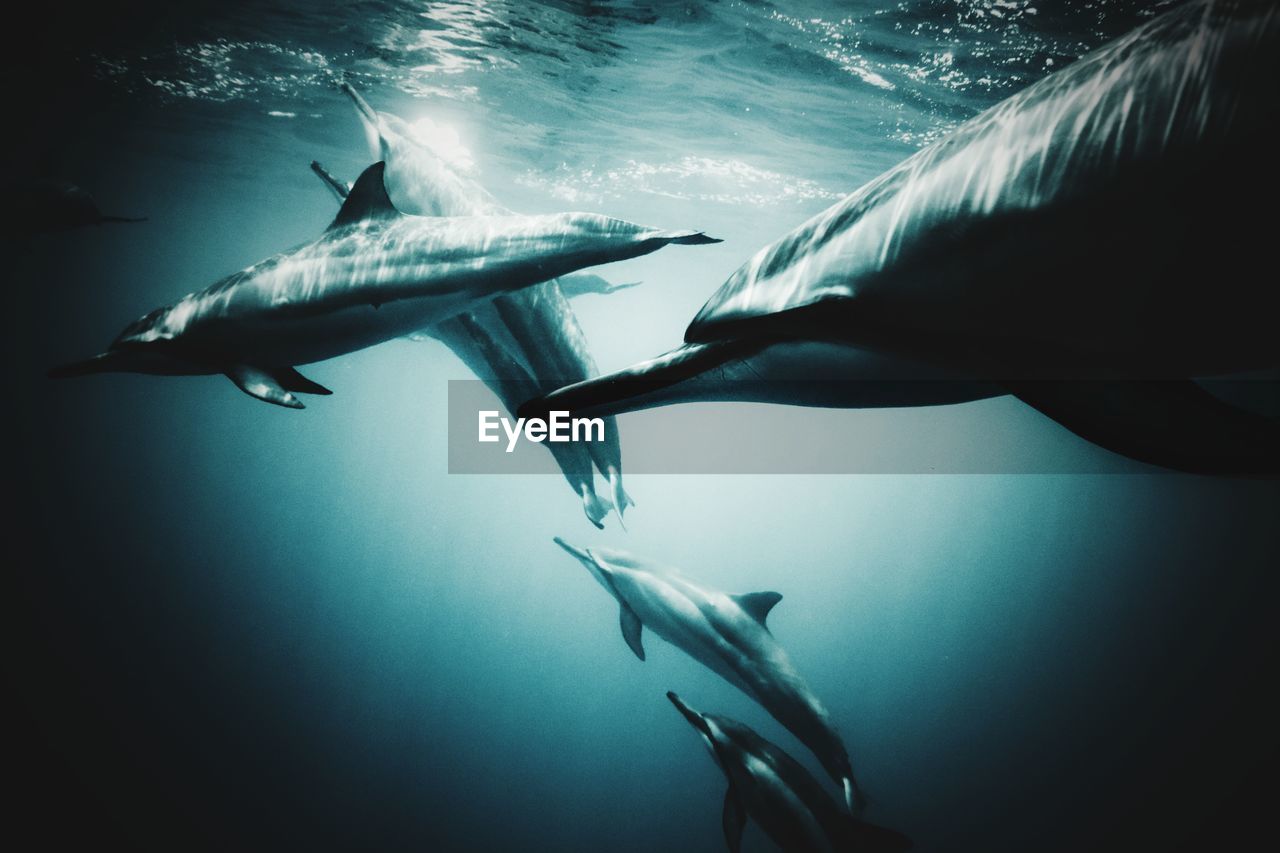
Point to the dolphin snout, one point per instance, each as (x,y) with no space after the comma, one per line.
(694,718)
(584,556)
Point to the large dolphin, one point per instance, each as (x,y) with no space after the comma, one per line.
(480,349)
(727,634)
(781,796)
(374,275)
(1082,245)
(534,327)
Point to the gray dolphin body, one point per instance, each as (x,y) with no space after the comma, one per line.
(1082,245)
(781,796)
(530,335)
(727,634)
(481,349)
(374,275)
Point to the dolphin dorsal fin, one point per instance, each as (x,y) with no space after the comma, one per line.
(631,629)
(758,604)
(367,199)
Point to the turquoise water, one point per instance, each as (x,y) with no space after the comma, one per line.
(252,627)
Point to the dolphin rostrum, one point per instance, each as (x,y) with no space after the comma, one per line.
(1081,245)
(781,796)
(374,275)
(727,634)
(534,330)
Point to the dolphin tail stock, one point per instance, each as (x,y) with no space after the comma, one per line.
(111,361)
(1171,423)
(621,500)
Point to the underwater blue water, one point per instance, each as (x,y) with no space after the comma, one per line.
(289,629)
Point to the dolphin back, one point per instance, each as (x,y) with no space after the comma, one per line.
(1101,160)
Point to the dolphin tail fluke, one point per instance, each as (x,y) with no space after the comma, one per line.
(1172,423)
(596,508)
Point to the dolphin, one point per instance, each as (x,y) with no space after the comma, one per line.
(1081,245)
(33,205)
(784,799)
(540,329)
(728,635)
(374,275)
(493,362)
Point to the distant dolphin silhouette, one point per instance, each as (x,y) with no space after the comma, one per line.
(1081,245)
(728,635)
(52,205)
(535,327)
(781,796)
(374,275)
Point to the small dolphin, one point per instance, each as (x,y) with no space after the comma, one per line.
(539,328)
(727,634)
(773,788)
(1081,245)
(374,275)
(52,205)
(479,349)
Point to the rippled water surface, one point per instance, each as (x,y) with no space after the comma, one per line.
(285,630)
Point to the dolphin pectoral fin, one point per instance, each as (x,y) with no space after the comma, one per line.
(291,380)
(1172,423)
(259,383)
(631,628)
(733,819)
(758,604)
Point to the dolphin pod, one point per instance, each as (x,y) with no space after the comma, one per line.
(374,275)
(727,634)
(782,797)
(1078,245)
(531,335)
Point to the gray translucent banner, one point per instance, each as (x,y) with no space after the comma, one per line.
(1000,435)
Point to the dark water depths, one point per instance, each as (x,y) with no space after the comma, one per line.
(243,627)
